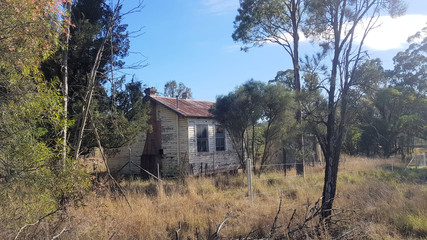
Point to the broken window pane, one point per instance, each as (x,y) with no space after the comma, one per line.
(202,138)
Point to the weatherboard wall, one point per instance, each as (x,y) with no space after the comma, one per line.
(118,158)
(178,134)
(173,134)
(211,161)
(174,140)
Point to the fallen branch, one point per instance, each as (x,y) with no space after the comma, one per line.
(177,231)
(59,234)
(37,222)
(105,161)
(216,234)
(112,235)
(91,83)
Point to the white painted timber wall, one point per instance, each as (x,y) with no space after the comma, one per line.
(118,158)
(178,134)
(174,139)
(215,161)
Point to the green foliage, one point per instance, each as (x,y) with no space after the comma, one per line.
(254,116)
(31,183)
(172,89)
(261,21)
(127,119)
(392,115)
(410,223)
(410,66)
(229,110)
(116,108)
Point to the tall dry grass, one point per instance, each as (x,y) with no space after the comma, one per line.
(373,202)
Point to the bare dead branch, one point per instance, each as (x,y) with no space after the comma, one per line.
(112,235)
(291,219)
(216,234)
(274,226)
(37,222)
(105,161)
(177,231)
(60,233)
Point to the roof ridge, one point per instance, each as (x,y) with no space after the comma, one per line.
(185,107)
(183,99)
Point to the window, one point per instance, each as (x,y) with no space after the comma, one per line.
(202,138)
(219,138)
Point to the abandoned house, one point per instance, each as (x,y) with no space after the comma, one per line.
(185,139)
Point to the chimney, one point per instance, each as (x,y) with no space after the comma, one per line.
(177,102)
(150,91)
(184,95)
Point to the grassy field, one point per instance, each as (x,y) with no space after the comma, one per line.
(372,202)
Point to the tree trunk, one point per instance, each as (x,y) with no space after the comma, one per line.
(65,87)
(91,85)
(331,155)
(285,165)
(295,8)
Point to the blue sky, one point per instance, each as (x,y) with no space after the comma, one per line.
(190,41)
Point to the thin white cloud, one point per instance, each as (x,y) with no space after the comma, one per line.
(393,33)
(220,7)
(390,33)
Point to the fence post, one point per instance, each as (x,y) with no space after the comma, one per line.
(392,165)
(158,171)
(130,167)
(249,168)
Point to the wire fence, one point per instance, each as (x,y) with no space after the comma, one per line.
(260,183)
(312,170)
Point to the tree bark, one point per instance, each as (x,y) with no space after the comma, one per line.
(331,151)
(65,87)
(295,13)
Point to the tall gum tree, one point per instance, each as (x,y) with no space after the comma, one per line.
(275,21)
(334,24)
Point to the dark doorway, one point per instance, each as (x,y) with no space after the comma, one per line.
(149,163)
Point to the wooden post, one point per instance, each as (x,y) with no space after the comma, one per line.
(158,171)
(191,169)
(249,168)
(129,164)
(392,165)
(213,163)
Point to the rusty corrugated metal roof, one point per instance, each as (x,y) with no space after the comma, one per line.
(186,107)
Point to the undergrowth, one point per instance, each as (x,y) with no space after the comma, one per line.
(370,204)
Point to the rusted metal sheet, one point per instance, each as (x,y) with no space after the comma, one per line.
(186,107)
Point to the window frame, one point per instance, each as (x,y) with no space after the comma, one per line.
(224,148)
(202,139)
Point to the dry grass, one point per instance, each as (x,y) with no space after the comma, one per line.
(387,205)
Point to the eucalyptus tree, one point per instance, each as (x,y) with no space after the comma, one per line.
(276,103)
(174,89)
(410,66)
(255,115)
(229,110)
(276,21)
(239,112)
(334,23)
